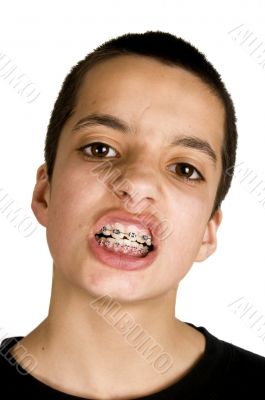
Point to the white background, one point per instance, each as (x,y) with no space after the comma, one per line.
(44,40)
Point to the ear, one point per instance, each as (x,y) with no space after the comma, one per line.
(209,242)
(41,195)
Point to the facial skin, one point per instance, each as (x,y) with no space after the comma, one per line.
(157,102)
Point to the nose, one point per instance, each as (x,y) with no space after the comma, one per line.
(137,184)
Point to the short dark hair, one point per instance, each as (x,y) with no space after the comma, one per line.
(169,50)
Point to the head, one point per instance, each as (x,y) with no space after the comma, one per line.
(164,90)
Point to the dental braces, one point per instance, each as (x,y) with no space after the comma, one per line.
(132,235)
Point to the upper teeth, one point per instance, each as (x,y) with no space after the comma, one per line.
(117,231)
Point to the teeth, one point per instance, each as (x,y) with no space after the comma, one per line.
(132,233)
(117,232)
(106,230)
(123,245)
(125,242)
(132,244)
(144,239)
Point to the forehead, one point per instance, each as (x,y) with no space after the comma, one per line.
(148,94)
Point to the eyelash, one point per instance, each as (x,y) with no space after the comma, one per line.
(182,164)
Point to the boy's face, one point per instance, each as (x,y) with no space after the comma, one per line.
(160,104)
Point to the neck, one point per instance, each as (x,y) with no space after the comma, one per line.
(95,341)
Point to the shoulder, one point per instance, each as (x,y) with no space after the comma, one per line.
(244,372)
(9,368)
(234,359)
(246,362)
(232,371)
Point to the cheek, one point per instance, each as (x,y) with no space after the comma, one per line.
(75,193)
(70,213)
(189,221)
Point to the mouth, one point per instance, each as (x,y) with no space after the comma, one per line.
(120,260)
(131,242)
(123,241)
(139,229)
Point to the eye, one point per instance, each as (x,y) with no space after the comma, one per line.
(187,171)
(98,150)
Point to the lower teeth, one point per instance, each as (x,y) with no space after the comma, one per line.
(124,249)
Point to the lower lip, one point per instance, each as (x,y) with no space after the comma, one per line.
(121,261)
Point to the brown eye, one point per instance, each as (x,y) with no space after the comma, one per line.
(187,171)
(96,149)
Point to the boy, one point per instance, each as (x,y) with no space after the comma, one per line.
(124,227)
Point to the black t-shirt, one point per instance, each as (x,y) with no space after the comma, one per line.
(223,372)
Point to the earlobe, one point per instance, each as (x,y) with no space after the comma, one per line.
(41,195)
(209,242)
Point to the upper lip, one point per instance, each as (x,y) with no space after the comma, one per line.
(143,220)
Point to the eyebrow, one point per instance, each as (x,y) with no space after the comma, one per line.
(116,123)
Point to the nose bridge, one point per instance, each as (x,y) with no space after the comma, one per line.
(143,162)
(139,170)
